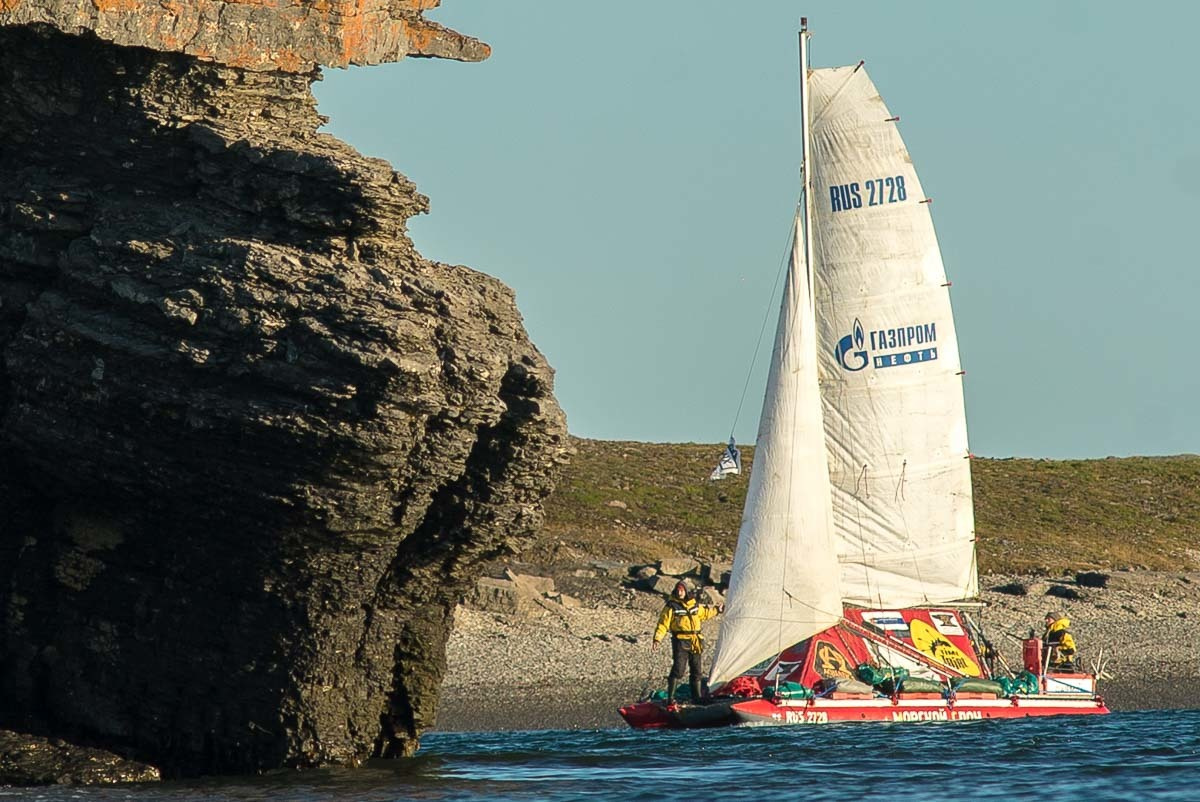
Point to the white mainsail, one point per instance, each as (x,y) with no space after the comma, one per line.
(860,490)
(891,382)
(784,585)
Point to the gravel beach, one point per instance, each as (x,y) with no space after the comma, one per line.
(571,668)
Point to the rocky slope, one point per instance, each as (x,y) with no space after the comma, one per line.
(252,445)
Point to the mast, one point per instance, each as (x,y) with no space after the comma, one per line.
(805,151)
(785,582)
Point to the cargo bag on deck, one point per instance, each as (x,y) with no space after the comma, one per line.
(978,685)
(787,690)
(911,685)
(682,694)
(921,685)
(876,675)
(839,685)
(1024,683)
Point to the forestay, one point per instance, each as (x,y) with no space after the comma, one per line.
(891,390)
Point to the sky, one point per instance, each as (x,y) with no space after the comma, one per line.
(631,169)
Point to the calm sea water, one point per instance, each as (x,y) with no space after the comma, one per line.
(1124,756)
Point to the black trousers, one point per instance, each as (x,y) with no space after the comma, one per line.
(682,657)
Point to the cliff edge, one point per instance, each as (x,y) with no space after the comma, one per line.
(259,34)
(253,446)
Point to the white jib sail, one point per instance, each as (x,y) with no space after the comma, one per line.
(784,585)
(890,375)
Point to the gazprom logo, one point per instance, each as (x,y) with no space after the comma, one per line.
(847,357)
(887,348)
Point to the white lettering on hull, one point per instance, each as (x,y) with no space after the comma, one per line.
(805,717)
(932,714)
(936,715)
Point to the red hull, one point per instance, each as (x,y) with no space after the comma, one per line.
(648,716)
(652,715)
(827,711)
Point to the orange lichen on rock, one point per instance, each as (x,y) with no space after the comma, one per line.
(246,55)
(287,35)
(421,39)
(356,30)
(430,39)
(288,60)
(117,6)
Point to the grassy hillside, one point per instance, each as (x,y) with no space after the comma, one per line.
(640,501)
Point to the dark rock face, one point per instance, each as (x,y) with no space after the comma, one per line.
(252,445)
(26,760)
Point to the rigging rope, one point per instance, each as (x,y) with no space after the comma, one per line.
(771,307)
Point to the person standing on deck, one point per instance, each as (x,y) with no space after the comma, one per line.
(1058,646)
(682,616)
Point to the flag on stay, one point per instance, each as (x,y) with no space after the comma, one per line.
(731,462)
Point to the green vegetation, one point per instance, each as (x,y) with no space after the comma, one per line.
(637,502)
(1056,515)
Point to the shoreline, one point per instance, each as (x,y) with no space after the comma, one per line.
(573,668)
(567,707)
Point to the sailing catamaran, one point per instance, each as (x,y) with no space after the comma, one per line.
(855,563)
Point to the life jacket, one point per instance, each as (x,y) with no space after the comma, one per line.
(1058,644)
(682,618)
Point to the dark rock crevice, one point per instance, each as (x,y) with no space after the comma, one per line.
(253,446)
(449,542)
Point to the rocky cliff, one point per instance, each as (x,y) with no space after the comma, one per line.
(253,445)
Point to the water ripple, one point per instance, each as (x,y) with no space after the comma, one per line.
(1149,755)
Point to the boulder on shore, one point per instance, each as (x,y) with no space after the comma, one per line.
(30,760)
(679,566)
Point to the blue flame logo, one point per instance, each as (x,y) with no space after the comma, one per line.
(845,348)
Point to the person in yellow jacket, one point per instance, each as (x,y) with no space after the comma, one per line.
(682,616)
(1058,646)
